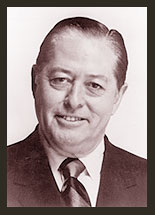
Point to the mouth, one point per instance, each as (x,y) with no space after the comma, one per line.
(70,118)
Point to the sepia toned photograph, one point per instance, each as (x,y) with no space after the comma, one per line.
(76,107)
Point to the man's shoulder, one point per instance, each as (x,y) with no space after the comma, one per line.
(126,154)
(125,160)
(24,157)
(22,149)
(123,178)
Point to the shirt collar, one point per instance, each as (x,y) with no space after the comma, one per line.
(92,161)
(54,158)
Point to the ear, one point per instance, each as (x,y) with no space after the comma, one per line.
(33,78)
(119,97)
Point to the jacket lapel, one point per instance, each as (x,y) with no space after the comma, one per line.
(114,180)
(36,181)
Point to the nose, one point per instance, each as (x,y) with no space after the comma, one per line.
(74,98)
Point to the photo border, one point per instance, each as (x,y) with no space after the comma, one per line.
(3,78)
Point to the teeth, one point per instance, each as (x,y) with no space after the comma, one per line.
(71,118)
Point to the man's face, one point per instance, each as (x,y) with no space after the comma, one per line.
(76,94)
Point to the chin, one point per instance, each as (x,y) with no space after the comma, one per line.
(72,150)
(67,140)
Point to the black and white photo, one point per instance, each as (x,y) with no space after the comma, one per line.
(83,115)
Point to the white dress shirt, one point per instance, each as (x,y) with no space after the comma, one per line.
(90,177)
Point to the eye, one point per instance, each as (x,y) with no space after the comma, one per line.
(60,82)
(94,85)
(95,89)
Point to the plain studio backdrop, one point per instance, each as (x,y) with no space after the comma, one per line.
(26,29)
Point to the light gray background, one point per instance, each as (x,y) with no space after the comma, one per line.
(26,29)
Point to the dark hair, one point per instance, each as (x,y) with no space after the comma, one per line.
(96,29)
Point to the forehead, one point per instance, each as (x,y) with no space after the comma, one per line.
(76,38)
(84,49)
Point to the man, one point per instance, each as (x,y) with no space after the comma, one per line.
(78,82)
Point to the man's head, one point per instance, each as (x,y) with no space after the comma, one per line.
(78,83)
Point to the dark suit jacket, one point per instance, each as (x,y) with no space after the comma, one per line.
(31,183)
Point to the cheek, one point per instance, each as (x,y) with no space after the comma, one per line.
(102,107)
(47,98)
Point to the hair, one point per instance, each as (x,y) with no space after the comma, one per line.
(94,28)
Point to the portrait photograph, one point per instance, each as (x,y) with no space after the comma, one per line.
(76,106)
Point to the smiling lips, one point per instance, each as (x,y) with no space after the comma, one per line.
(70,118)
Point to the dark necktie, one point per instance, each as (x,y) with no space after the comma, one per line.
(73,192)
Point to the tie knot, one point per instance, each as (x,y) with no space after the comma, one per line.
(71,167)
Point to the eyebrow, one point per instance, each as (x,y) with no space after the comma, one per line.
(66,71)
(59,69)
(98,77)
